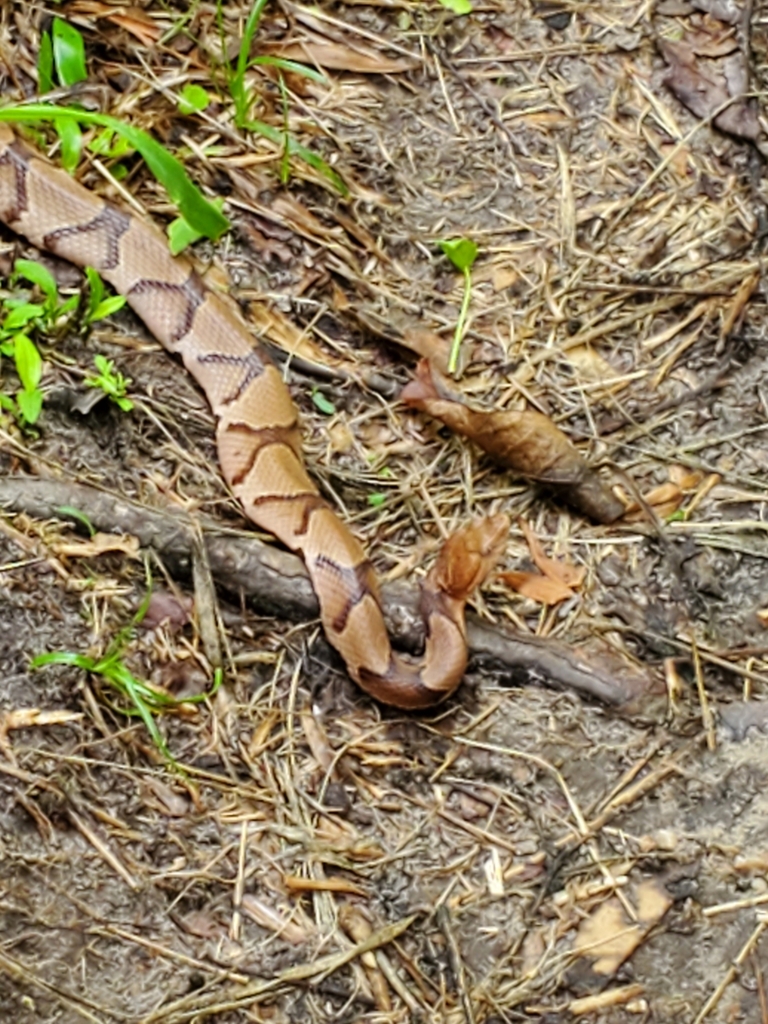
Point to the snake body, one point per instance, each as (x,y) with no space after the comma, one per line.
(257,431)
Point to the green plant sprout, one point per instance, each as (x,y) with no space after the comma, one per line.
(111,381)
(462,252)
(244,96)
(458,6)
(193,98)
(22,320)
(62,51)
(141,699)
(99,305)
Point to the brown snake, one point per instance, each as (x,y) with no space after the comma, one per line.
(257,430)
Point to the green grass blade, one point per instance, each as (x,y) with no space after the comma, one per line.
(194,207)
(68,53)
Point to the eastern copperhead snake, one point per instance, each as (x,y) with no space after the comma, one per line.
(257,430)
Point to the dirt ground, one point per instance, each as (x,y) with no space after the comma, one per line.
(528,852)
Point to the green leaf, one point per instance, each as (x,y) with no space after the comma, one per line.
(181,233)
(45,64)
(107,307)
(458,6)
(462,252)
(193,99)
(71,139)
(29,364)
(295,148)
(80,517)
(377,499)
(105,144)
(322,403)
(39,275)
(169,171)
(68,53)
(95,288)
(23,314)
(290,65)
(30,403)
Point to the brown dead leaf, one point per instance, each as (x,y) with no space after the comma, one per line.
(166,608)
(98,544)
(684,478)
(527,442)
(27,718)
(712,39)
(559,571)
(132,19)
(591,366)
(705,86)
(536,587)
(503,277)
(665,500)
(273,921)
(317,740)
(339,57)
(295,884)
(428,345)
(610,937)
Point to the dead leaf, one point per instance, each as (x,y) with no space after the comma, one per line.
(295,884)
(559,571)
(98,544)
(591,366)
(664,500)
(165,608)
(135,21)
(729,11)
(527,442)
(270,919)
(536,587)
(503,277)
(610,937)
(339,57)
(704,90)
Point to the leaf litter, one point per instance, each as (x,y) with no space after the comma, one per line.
(323,856)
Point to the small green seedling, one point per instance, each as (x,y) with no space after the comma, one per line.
(99,305)
(462,252)
(244,96)
(21,319)
(193,98)
(140,698)
(111,381)
(458,6)
(323,404)
(61,60)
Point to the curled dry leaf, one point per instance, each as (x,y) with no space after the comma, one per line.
(557,580)
(609,937)
(167,609)
(536,587)
(704,88)
(98,544)
(339,57)
(527,442)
